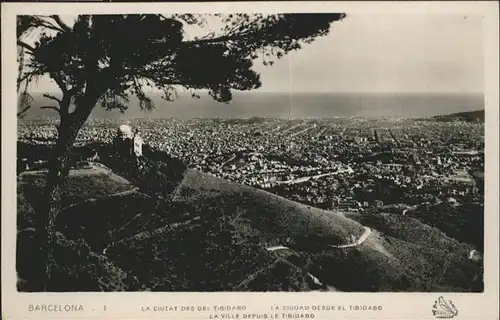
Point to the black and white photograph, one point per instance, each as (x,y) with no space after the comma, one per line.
(251,152)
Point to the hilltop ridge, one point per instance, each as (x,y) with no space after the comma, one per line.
(469,116)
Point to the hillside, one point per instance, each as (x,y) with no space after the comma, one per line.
(469,116)
(273,217)
(164,228)
(426,251)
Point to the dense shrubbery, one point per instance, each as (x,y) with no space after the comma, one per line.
(355,269)
(280,275)
(205,254)
(25,210)
(100,222)
(77,267)
(427,252)
(33,152)
(464,223)
(27,254)
(156,173)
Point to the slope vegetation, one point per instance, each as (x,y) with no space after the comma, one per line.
(470,116)
(276,219)
(180,230)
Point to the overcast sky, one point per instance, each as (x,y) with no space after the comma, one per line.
(392,53)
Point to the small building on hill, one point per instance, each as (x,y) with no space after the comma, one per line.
(128,142)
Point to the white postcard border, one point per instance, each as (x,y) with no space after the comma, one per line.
(131,305)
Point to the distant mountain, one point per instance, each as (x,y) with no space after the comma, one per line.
(469,116)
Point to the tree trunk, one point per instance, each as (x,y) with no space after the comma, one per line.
(50,206)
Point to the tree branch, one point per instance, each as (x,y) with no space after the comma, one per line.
(211,40)
(51,26)
(64,27)
(58,80)
(27,77)
(51,97)
(52,108)
(25,45)
(22,113)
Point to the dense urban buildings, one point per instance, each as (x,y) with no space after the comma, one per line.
(351,164)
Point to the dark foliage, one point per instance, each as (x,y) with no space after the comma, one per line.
(281,275)
(464,222)
(101,222)
(427,252)
(156,173)
(354,270)
(78,268)
(199,255)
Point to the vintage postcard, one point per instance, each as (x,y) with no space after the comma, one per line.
(252,160)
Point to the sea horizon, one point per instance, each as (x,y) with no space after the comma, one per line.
(282,105)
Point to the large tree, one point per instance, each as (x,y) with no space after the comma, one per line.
(106,59)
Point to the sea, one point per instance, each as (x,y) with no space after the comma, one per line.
(291,106)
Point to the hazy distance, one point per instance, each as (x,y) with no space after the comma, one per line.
(403,65)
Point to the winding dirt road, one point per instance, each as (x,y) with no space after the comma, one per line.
(360,240)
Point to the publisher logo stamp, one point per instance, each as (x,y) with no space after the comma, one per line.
(443,309)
